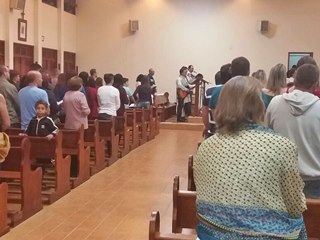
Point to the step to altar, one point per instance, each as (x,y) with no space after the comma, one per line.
(182,126)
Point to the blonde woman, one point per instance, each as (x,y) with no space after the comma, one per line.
(276,84)
(247,177)
(261,76)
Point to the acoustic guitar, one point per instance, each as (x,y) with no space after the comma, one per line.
(182,94)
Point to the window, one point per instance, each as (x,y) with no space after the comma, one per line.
(53,3)
(294,57)
(70,6)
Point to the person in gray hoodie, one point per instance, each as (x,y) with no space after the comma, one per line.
(296,115)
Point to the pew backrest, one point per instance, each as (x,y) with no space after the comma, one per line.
(184,208)
(73,140)
(312,218)
(191,184)
(154,231)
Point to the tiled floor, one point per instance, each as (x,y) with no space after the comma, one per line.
(116,203)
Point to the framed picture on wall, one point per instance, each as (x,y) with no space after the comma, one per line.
(294,57)
(22,30)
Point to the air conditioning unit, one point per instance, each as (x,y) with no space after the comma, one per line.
(133,25)
(17,4)
(264,26)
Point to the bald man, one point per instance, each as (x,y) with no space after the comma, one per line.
(29,95)
(152,82)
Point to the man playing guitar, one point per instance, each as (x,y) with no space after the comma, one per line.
(183,95)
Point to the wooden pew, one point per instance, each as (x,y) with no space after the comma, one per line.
(154,231)
(24,194)
(311,216)
(191,184)
(123,131)
(56,179)
(312,219)
(150,123)
(4,228)
(93,140)
(14,131)
(133,128)
(107,133)
(166,109)
(184,213)
(73,144)
(140,121)
(156,117)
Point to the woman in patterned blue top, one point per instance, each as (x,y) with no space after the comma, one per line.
(247,178)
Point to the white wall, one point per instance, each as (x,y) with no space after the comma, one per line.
(3,6)
(50,26)
(205,33)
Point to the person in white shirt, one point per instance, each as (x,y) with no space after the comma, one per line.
(183,95)
(191,74)
(108,99)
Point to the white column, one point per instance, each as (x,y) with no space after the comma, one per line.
(37,32)
(60,34)
(11,26)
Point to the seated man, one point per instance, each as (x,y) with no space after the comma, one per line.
(296,115)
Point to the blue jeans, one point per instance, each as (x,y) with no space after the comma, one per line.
(312,189)
(143,104)
(104,116)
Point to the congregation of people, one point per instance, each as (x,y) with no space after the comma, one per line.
(71,99)
(261,157)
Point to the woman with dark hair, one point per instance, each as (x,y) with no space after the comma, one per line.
(143,93)
(246,175)
(15,78)
(85,78)
(54,107)
(61,87)
(139,79)
(118,84)
(92,98)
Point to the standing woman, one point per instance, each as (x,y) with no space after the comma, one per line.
(76,110)
(247,177)
(261,76)
(118,84)
(92,98)
(276,84)
(143,93)
(75,105)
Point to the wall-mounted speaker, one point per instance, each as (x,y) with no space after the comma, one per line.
(133,25)
(17,4)
(264,26)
